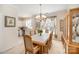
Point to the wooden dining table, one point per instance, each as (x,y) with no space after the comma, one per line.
(41,40)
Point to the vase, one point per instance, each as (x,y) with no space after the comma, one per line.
(40,34)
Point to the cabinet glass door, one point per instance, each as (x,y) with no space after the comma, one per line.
(74,25)
(75,28)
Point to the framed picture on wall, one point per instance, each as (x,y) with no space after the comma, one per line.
(10,21)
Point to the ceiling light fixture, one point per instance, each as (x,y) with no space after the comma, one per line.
(40,16)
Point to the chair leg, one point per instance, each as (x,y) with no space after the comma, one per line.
(45,48)
(25,52)
(41,50)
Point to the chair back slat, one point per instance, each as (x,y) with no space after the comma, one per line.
(28,42)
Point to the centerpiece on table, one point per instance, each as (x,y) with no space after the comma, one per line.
(40,31)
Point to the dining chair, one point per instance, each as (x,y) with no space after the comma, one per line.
(32,32)
(46,31)
(48,44)
(29,46)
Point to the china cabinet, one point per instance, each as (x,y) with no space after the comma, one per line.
(70,36)
(73,37)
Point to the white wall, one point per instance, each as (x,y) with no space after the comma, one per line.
(59,15)
(8,35)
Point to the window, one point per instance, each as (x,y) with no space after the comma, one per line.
(29,23)
(49,24)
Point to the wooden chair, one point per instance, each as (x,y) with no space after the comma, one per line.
(32,32)
(48,44)
(29,46)
(46,31)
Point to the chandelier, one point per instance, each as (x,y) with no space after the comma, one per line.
(40,16)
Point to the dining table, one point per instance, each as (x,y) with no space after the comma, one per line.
(41,40)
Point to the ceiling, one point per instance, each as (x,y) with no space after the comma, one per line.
(31,9)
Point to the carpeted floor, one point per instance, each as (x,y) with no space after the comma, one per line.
(57,48)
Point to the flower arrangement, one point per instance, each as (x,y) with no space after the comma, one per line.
(40,31)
